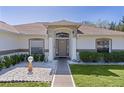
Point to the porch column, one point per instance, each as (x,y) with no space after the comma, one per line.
(50,56)
(74,55)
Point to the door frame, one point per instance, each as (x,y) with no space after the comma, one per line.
(66,46)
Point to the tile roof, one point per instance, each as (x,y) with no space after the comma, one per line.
(92,30)
(32,28)
(40,28)
(6,27)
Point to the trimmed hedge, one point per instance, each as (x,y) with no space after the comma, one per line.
(117,56)
(90,56)
(114,56)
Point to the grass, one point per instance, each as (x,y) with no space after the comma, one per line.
(98,75)
(25,84)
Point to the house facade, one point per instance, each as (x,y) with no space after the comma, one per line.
(57,39)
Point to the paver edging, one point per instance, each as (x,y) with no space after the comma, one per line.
(71,75)
(91,63)
(53,78)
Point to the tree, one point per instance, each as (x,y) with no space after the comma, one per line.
(121,25)
(122,20)
(102,23)
(87,23)
(112,26)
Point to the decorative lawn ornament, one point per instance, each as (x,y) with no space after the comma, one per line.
(30,59)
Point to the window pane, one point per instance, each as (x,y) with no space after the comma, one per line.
(102,45)
(36,50)
(36,46)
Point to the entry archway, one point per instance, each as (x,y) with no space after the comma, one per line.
(62,44)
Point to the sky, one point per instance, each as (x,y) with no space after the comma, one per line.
(29,14)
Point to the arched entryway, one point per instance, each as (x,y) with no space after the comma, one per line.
(62,44)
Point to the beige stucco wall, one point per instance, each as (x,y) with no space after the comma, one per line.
(118,43)
(88,42)
(12,41)
(24,40)
(8,41)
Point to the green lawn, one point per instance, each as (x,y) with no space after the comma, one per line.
(25,84)
(98,75)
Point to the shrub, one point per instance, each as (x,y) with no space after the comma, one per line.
(7,61)
(26,57)
(1,64)
(38,57)
(90,56)
(42,58)
(13,59)
(84,56)
(17,58)
(22,57)
(117,56)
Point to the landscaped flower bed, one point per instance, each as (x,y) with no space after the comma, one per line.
(117,56)
(7,61)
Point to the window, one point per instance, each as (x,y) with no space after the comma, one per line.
(37,46)
(62,35)
(103,45)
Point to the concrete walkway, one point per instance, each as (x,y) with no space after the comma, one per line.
(62,76)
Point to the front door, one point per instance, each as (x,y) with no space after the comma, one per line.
(62,47)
